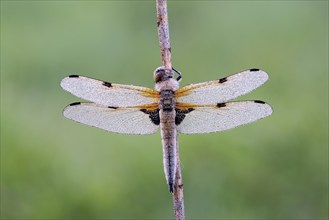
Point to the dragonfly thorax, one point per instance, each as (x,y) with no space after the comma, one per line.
(167,102)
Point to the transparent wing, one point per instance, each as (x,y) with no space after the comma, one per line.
(119,120)
(221,90)
(223,116)
(108,94)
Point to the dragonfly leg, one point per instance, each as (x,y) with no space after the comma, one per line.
(179,74)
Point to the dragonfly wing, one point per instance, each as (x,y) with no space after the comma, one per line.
(118,120)
(220,117)
(108,94)
(222,90)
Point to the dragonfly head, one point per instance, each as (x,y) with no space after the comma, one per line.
(163,78)
(163,74)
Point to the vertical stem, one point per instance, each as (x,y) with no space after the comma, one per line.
(178,196)
(165,49)
(163,32)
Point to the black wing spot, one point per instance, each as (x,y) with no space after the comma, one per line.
(260,102)
(222,80)
(73,76)
(221,105)
(107,84)
(153,115)
(254,70)
(112,107)
(75,103)
(180,115)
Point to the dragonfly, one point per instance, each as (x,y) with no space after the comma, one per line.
(193,109)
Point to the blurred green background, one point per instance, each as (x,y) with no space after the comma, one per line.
(54,168)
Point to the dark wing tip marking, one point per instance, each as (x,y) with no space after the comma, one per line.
(75,103)
(222,80)
(113,107)
(254,70)
(73,76)
(260,102)
(107,84)
(221,105)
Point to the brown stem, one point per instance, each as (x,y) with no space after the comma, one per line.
(178,196)
(165,49)
(163,32)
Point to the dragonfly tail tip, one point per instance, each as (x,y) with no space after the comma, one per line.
(171,188)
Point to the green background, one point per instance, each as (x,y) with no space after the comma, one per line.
(54,168)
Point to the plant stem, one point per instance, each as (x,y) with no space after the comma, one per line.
(163,32)
(178,196)
(165,49)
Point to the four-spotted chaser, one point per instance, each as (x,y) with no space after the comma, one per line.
(193,109)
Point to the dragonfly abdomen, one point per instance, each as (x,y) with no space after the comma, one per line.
(169,134)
